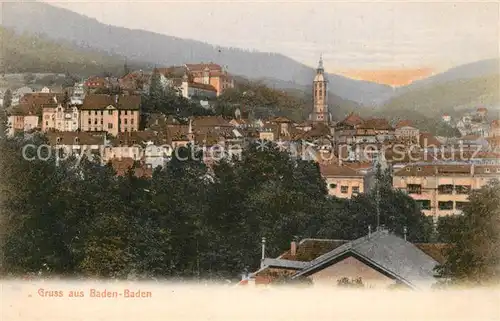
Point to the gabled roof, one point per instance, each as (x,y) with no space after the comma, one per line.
(352,120)
(202,66)
(385,252)
(335,170)
(310,249)
(404,123)
(123,102)
(375,123)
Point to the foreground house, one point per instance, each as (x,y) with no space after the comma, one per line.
(380,259)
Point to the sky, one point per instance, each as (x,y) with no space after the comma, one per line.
(359,39)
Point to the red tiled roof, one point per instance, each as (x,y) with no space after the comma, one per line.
(202,86)
(428,140)
(73,138)
(123,165)
(404,123)
(310,249)
(202,66)
(353,120)
(376,123)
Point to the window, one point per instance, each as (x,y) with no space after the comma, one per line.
(77,140)
(110,112)
(445,205)
(125,112)
(486,170)
(95,121)
(414,188)
(419,169)
(58,140)
(46,123)
(424,204)
(131,121)
(102,121)
(462,189)
(95,112)
(460,205)
(333,185)
(90,122)
(110,126)
(408,169)
(355,189)
(125,121)
(445,189)
(344,189)
(102,113)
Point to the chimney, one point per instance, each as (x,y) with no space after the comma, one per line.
(293,248)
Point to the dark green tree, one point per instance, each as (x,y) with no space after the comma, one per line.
(474,257)
(7,98)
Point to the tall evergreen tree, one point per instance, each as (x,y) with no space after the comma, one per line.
(7,98)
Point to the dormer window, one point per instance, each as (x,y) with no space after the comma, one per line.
(408,169)
(486,170)
(58,140)
(419,169)
(77,140)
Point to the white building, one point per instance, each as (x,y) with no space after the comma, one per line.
(60,118)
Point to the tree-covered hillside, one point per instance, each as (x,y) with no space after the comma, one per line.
(33,53)
(452,97)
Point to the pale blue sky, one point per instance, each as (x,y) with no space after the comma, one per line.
(351,35)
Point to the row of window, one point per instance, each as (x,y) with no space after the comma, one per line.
(444,205)
(125,121)
(345,189)
(110,112)
(442,189)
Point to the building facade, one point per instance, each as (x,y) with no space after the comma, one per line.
(110,113)
(57,117)
(443,190)
(342,181)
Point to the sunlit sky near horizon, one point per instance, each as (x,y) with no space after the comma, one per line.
(352,36)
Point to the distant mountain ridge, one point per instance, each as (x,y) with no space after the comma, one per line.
(61,24)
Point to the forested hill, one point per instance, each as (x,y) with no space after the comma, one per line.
(61,24)
(35,53)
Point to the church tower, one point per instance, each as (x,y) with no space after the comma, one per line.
(320,95)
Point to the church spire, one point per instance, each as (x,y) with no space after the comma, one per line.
(320,64)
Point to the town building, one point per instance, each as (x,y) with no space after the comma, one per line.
(110,113)
(379,260)
(60,118)
(211,74)
(197,90)
(22,118)
(342,181)
(442,189)
(406,133)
